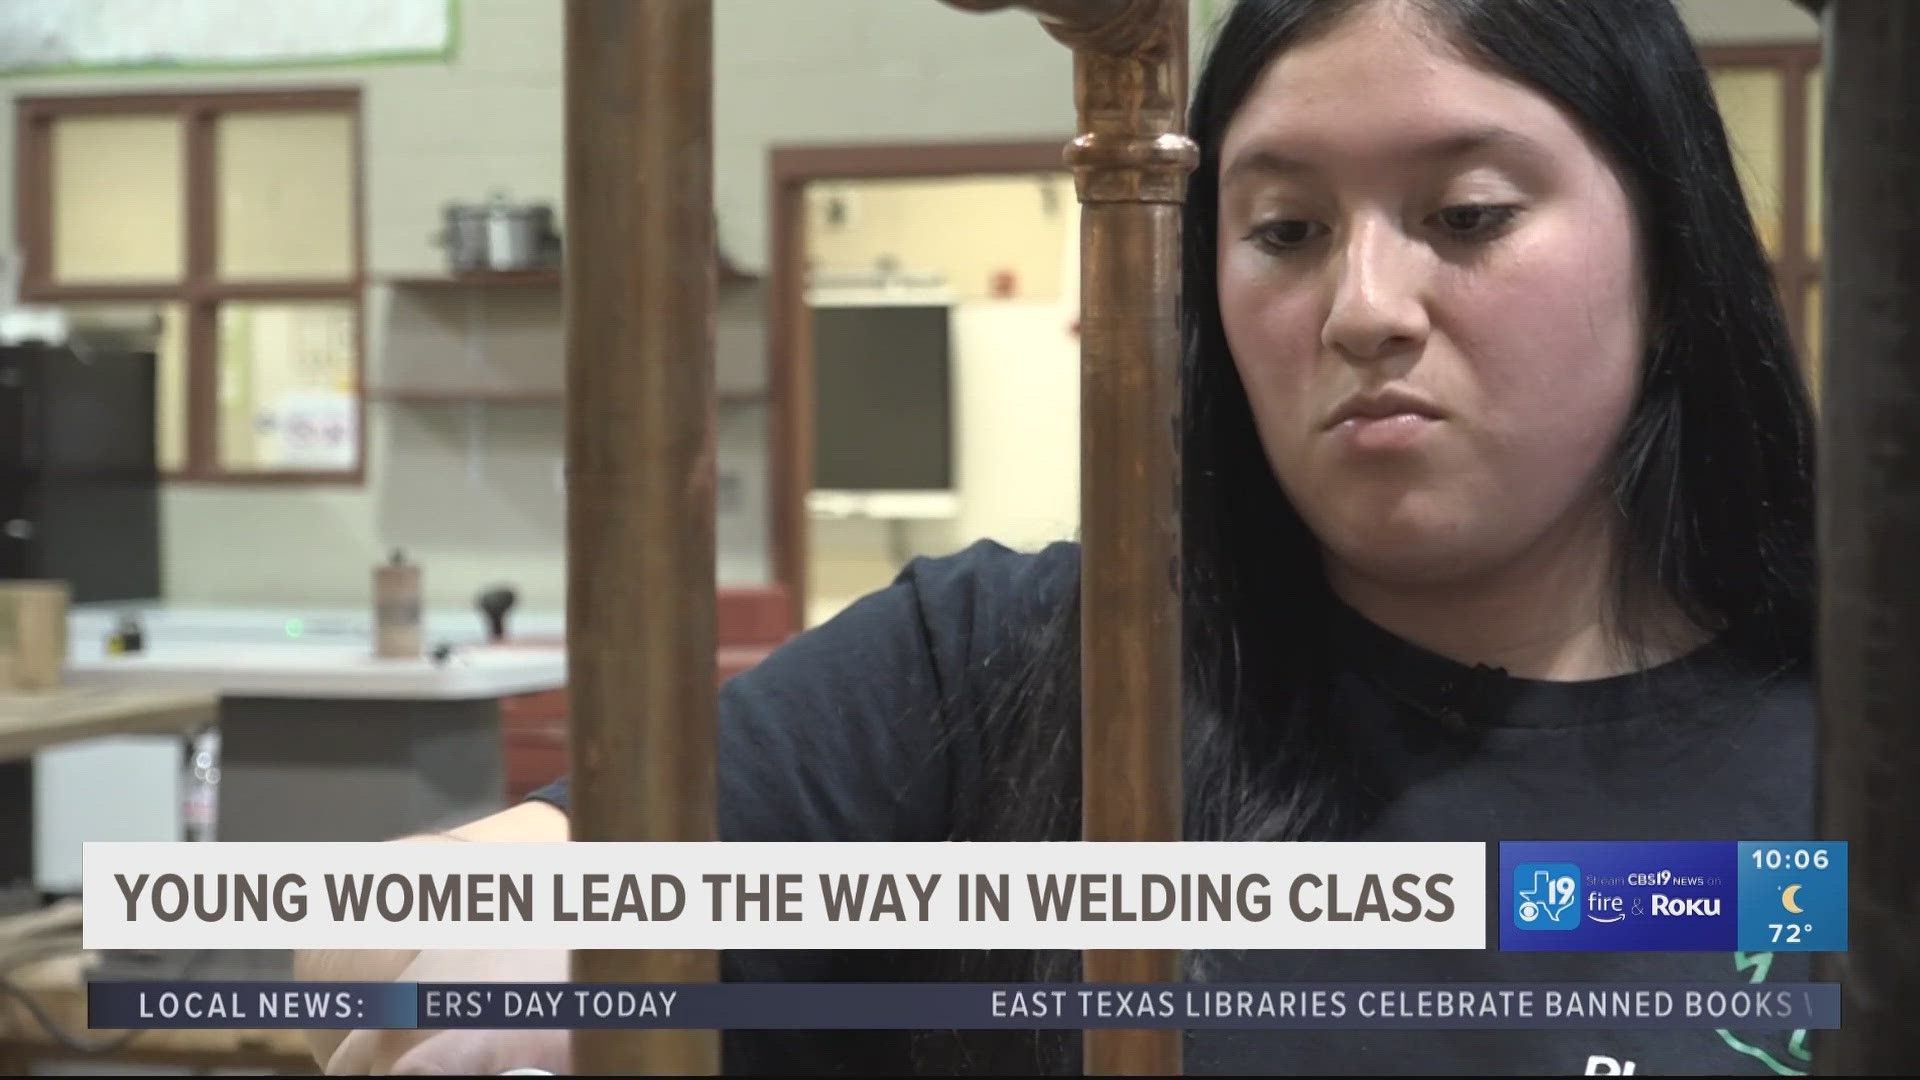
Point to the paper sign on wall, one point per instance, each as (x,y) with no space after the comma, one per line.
(310,429)
(54,34)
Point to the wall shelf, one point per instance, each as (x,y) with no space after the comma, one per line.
(539,279)
(414,395)
(728,273)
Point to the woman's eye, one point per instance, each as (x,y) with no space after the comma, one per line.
(1471,221)
(1281,236)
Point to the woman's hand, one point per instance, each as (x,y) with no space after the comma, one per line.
(361,1052)
(462,1051)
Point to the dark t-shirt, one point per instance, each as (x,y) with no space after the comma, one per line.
(844,734)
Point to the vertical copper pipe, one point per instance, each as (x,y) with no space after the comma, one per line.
(1130,162)
(640,418)
(1870,527)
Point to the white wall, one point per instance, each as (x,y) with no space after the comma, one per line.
(788,72)
(433,132)
(491,119)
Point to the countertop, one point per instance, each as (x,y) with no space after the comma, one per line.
(323,670)
(164,622)
(310,651)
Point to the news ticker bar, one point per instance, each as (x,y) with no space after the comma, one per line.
(965,1006)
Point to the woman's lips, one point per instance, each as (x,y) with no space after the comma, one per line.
(1396,431)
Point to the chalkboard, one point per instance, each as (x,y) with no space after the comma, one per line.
(79,35)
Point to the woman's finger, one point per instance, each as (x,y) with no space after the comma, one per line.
(487,1053)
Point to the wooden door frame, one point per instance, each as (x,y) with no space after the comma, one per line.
(789,364)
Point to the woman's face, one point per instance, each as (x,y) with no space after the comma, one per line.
(1429,278)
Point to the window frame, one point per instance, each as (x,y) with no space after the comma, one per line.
(200,291)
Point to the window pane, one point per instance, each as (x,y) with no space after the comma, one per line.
(118,186)
(1816,159)
(286,196)
(932,227)
(288,395)
(162,329)
(1754,108)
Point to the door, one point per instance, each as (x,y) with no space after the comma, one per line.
(20,454)
(20,391)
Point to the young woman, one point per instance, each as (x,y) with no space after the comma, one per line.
(1498,525)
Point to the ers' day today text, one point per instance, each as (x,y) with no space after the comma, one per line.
(564,1004)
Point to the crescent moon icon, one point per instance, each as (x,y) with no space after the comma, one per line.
(1786,898)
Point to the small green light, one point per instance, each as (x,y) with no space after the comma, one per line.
(295,628)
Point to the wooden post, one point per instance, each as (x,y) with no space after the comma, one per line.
(1130,164)
(1870,525)
(1130,161)
(640,300)
(640,295)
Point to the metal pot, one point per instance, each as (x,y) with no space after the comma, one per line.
(464,235)
(499,235)
(516,235)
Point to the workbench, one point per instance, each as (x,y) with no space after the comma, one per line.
(60,988)
(30,722)
(321,741)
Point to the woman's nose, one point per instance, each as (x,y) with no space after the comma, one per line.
(1378,308)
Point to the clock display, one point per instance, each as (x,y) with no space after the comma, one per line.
(1793,897)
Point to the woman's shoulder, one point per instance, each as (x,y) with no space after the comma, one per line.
(848,730)
(988,585)
(934,623)
(995,566)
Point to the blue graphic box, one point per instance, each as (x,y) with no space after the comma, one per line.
(1619,896)
(1793,896)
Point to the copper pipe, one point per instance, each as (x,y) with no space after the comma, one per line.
(1130,161)
(1130,165)
(640,304)
(641,628)
(1869,527)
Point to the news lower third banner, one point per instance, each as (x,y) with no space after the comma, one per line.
(965,1006)
(1631,896)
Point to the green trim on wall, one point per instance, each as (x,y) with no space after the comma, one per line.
(161,67)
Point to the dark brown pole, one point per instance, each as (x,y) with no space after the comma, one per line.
(640,511)
(1870,526)
(1131,162)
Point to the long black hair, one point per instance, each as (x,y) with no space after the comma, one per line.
(1712,473)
